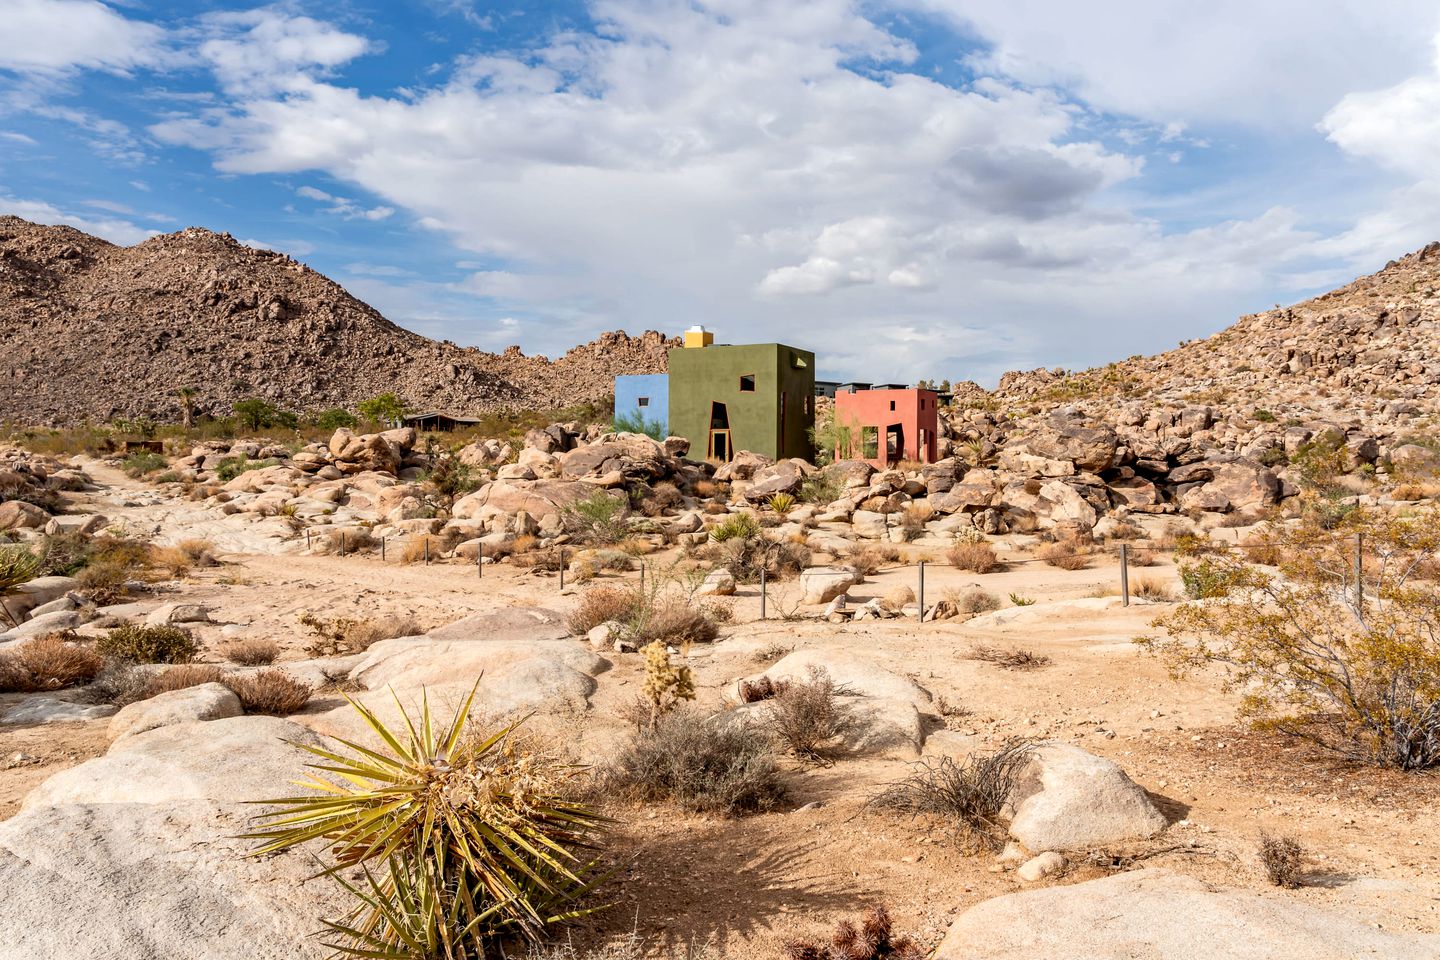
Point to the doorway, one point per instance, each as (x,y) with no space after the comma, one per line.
(894,443)
(719,445)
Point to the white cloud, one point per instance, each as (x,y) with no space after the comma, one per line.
(1276,63)
(14,137)
(1397,127)
(269,51)
(344,206)
(295,248)
(56,36)
(113,229)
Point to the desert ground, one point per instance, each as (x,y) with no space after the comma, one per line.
(744,886)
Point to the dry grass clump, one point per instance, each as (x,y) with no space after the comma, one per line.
(914,516)
(140,643)
(674,622)
(1416,490)
(343,636)
(49,662)
(415,551)
(1283,859)
(864,559)
(701,763)
(181,678)
(352,540)
(119,683)
(973,600)
(970,795)
(268,691)
(600,605)
(1152,588)
(1010,659)
(873,939)
(254,652)
(807,717)
(976,557)
(1140,557)
(179,559)
(1070,554)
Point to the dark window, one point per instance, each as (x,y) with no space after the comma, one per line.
(922,403)
(642,402)
(809,406)
(892,404)
(747,383)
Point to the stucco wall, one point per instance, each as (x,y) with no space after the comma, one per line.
(655,387)
(700,377)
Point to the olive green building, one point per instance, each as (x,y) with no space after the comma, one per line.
(758,397)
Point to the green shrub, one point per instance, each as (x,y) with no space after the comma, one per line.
(1264,416)
(1207,579)
(144,462)
(599,518)
(17,566)
(254,413)
(740,526)
(334,419)
(637,422)
(387,409)
(141,643)
(822,489)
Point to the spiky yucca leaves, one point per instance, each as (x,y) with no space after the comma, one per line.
(17,566)
(473,837)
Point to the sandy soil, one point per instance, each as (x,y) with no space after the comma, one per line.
(749,884)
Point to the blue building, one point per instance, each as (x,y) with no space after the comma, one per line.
(642,402)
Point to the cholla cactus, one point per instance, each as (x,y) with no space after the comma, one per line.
(873,940)
(665,684)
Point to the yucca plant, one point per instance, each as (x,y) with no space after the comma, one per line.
(472,837)
(782,503)
(17,566)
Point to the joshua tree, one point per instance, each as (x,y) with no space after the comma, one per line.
(187,397)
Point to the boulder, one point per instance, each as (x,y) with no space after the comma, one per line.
(1066,798)
(514,624)
(784,476)
(852,474)
(37,593)
(742,466)
(37,710)
(1058,438)
(207,701)
(19,515)
(633,455)
(171,613)
(1067,506)
(823,584)
(1047,864)
(1155,913)
(718,583)
(135,854)
(539,498)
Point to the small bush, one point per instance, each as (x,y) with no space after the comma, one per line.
(914,517)
(865,560)
(969,794)
(352,540)
(120,683)
(782,503)
(597,519)
(821,489)
(602,604)
(50,662)
(254,652)
(268,691)
(1283,859)
(1068,554)
(973,600)
(1009,659)
(807,717)
(178,559)
(1208,578)
(143,462)
(139,643)
(182,678)
(674,622)
(874,939)
(344,636)
(976,557)
(703,764)
(1020,600)
(1152,588)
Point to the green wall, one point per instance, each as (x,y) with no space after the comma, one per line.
(700,376)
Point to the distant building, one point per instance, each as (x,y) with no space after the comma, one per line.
(889,424)
(757,397)
(643,397)
(826,388)
(441,422)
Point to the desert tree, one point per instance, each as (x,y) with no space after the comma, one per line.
(1338,644)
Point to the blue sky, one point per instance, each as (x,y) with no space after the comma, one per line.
(918,188)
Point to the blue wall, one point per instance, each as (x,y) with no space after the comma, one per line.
(654,387)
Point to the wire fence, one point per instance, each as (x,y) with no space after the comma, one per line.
(387,546)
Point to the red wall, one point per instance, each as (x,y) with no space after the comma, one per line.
(871,408)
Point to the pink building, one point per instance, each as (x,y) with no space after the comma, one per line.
(889,425)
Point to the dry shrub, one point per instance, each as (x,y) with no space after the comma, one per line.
(635,546)
(807,717)
(141,643)
(706,489)
(874,939)
(977,557)
(49,662)
(343,636)
(1415,490)
(973,600)
(914,516)
(771,652)
(353,540)
(761,688)
(268,691)
(602,604)
(254,652)
(704,764)
(106,581)
(1141,558)
(1152,588)
(548,559)
(178,560)
(181,678)
(119,683)
(1283,859)
(971,795)
(1126,531)
(1009,659)
(1069,554)
(1266,554)
(414,550)
(864,559)
(674,622)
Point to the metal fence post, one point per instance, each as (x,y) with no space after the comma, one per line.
(480,560)
(762,593)
(342,543)
(307,538)
(1360,575)
(562,568)
(382,549)
(1125,573)
(922,591)
(426,541)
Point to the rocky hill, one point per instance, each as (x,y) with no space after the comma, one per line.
(1366,352)
(93,331)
